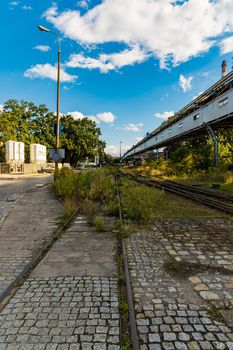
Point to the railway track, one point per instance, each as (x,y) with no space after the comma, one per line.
(211,198)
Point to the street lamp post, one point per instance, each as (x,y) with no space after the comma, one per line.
(44,29)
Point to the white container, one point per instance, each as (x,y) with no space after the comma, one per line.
(38,154)
(14,152)
(21,151)
(9,154)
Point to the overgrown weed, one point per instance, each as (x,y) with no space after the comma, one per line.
(100,224)
(139,202)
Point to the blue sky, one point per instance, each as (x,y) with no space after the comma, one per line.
(127,64)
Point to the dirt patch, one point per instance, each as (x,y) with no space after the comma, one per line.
(183,269)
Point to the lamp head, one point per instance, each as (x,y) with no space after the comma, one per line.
(43,29)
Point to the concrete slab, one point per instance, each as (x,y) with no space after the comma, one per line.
(25,226)
(79,252)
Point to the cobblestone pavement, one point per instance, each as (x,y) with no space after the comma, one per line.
(29,224)
(10,268)
(12,189)
(75,307)
(208,245)
(62,313)
(164,263)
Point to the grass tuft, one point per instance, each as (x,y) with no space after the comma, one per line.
(100,224)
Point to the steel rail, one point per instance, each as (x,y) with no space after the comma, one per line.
(206,197)
(132,318)
(208,192)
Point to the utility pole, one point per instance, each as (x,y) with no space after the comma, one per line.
(44,29)
(58,98)
(120,150)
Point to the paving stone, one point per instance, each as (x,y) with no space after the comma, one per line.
(193,345)
(168,346)
(60,333)
(154,338)
(169,336)
(180,346)
(184,337)
(207,295)
(165,299)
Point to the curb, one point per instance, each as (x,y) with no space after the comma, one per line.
(23,177)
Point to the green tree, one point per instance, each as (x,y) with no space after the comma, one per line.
(25,122)
(81,139)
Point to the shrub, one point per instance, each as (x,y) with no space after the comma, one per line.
(100,224)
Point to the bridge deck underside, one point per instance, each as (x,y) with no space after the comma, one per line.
(223,123)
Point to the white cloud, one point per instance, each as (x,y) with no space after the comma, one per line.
(107,62)
(226,45)
(114,150)
(14,3)
(26,8)
(83,3)
(171,31)
(185,83)
(79,61)
(43,71)
(105,117)
(78,115)
(43,48)
(132,127)
(164,116)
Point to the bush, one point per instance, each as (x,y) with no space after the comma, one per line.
(65,184)
(83,190)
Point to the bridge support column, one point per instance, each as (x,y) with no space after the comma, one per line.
(214,139)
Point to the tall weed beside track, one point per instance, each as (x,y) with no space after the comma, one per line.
(85,191)
(140,203)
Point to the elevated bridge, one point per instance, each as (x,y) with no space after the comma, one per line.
(211,110)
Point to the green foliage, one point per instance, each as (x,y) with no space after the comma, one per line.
(24,121)
(139,203)
(193,157)
(124,308)
(143,204)
(68,207)
(88,208)
(112,208)
(102,186)
(81,139)
(87,190)
(126,347)
(100,224)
